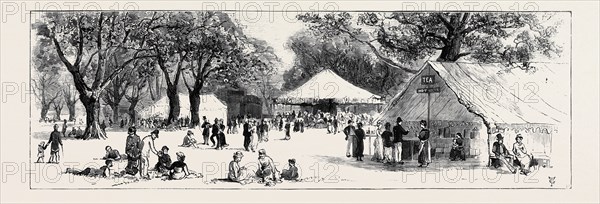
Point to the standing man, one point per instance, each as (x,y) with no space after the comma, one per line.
(54,147)
(64,128)
(399,131)
(215,133)
(350,133)
(133,148)
(247,135)
(280,123)
(205,130)
(335,125)
(301,123)
(147,148)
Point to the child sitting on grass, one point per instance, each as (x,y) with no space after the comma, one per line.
(164,161)
(290,174)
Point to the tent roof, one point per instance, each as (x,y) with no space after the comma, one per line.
(489,90)
(327,85)
(208,102)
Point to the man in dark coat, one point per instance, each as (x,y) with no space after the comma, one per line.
(335,125)
(54,142)
(501,154)
(215,133)
(360,145)
(247,135)
(398,131)
(205,130)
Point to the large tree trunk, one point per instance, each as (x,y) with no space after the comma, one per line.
(58,112)
(158,88)
(195,107)
(71,108)
(115,110)
(451,51)
(132,113)
(92,107)
(174,107)
(44,112)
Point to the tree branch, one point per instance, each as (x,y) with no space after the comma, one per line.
(379,55)
(462,54)
(445,22)
(80,46)
(120,68)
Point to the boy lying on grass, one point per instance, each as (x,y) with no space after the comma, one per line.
(103,171)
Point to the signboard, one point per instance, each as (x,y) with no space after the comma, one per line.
(427,79)
(429,90)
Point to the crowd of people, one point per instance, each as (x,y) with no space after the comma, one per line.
(139,150)
(387,146)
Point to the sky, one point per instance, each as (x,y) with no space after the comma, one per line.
(274,28)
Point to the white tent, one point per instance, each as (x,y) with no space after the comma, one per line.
(327,85)
(210,106)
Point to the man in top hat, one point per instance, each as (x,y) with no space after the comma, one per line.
(501,154)
(205,130)
(398,132)
(215,133)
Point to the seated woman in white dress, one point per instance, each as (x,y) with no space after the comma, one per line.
(524,159)
(239,173)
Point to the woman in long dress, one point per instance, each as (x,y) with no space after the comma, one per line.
(521,155)
(377,144)
(254,138)
(424,148)
(266,167)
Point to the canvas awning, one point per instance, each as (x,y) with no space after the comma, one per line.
(327,87)
(489,90)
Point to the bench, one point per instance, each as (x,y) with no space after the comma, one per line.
(542,160)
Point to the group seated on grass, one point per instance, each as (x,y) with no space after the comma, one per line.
(164,168)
